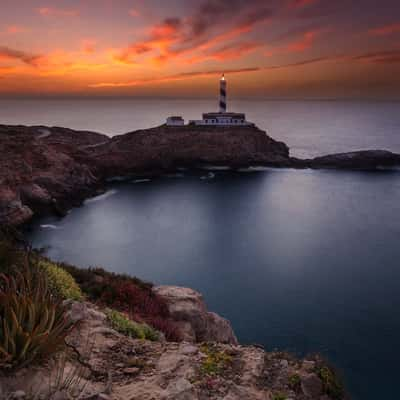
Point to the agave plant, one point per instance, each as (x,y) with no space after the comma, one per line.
(33,323)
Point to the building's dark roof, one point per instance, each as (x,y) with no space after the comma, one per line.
(226,114)
(176,118)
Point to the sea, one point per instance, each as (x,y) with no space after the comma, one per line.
(298,260)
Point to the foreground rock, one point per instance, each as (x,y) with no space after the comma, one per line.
(196,324)
(49,170)
(106,365)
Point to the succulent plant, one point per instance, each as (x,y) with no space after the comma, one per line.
(33,323)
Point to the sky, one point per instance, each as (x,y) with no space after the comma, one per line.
(179,48)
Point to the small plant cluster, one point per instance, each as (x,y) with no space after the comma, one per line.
(33,323)
(279,396)
(295,382)
(61,282)
(331,383)
(130,328)
(126,294)
(215,361)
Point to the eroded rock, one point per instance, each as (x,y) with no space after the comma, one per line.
(189,310)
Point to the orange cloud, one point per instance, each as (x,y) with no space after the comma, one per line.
(14,29)
(51,11)
(385,30)
(183,36)
(304,43)
(178,77)
(161,37)
(88,46)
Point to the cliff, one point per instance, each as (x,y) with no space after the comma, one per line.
(47,170)
(103,364)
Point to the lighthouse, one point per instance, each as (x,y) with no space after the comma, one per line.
(222,94)
(220,118)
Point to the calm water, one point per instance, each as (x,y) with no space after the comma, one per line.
(298,260)
(304,261)
(310,128)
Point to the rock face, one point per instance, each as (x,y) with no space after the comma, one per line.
(188,309)
(108,365)
(167,147)
(364,160)
(47,170)
(44,170)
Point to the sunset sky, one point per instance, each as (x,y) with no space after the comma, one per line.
(277,48)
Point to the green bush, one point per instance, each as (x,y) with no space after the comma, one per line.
(215,361)
(279,396)
(130,328)
(61,282)
(331,384)
(33,323)
(295,382)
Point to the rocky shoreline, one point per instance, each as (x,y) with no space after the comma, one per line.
(104,364)
(51,169)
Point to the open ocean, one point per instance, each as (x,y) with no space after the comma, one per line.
(305,261)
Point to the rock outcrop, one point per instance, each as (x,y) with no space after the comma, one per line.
(362,160)
(103,364)
(47,170)
(196,324)
(166,147)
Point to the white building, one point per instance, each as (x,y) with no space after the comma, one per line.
(175,121)
(218,118)
(221,118)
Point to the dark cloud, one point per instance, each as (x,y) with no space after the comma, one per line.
(380,57)
(27,58)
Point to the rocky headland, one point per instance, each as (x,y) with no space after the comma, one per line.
(51,169)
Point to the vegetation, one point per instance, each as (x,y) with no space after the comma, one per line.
(10,256)
(295,382)
(33,322)
(128,295)
(130,328)
(331,384)
(215,361)
(279,396)
(61,282)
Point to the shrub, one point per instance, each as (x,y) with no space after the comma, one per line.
(295,382)
(61,282)
(279,396)
(215,362)
(10,256)
(33,323)
(168,327)
(331,384)
(126,294)
(130,328)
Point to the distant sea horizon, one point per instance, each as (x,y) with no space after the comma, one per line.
(310,127)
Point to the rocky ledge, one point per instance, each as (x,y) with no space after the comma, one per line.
(103,364)
(47,170)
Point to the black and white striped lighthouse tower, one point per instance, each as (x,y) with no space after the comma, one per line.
(222,95)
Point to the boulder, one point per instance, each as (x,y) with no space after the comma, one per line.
(196,324)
